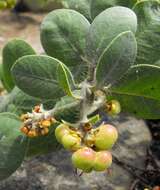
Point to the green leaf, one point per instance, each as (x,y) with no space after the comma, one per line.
(116,59)
(4,85)
(82,6)
(13,50)
(12,145)
(65,79)
(68,109)
(94,119)
(97,6)
(19,102)
(63,36)
(138,91)
(148,35)
(44,144)
(38,76)
(106,26)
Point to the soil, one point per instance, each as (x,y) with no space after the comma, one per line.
(24,26)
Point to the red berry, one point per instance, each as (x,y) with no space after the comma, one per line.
(103,161)
(84,159)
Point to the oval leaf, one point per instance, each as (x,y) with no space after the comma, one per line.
(138,91)
(106,26)
(82,6)
(12,144)
(65,79)
(13,50)
(63,36)
(116,59)
(37,76)
(68,109)
(97,6)
(148,35)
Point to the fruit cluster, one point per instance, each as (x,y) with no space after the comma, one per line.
(7,4)
(39,127)
(90,147)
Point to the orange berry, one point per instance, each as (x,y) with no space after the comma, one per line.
(32,133)
(24,130)
(46,123)
(156,188)
(45,131)
(37,109)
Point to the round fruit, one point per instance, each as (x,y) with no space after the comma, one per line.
(11,3)
(113,107)
(60,131)
(102,161)
(84,159)
(105,137)
(3,5)
(71,142)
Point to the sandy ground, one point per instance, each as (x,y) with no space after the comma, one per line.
(25,26)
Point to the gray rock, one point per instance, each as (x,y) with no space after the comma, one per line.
(55,172)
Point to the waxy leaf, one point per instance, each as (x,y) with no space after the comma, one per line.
(63,36)
(64,81)
(148,35)
(68,109)
(138,91)
(82,6)
(106,26)
(116,59)
(97,6)
(13,50)
(12,144)
(38,77)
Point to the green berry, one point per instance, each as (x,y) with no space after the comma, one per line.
(102,161)
(3,5)
(60,131)
(71,142)
(105,137)
(11,3)
(113,107)
(84,159)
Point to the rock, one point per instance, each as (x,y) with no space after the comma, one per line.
(55,172)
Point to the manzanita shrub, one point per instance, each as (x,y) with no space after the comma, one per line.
(88,69)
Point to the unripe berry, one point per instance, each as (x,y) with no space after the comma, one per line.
(102,161)
(60,131)
(71,142)
(11,3)
(84,159)
(105,137)
(3,5)
(113,107)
